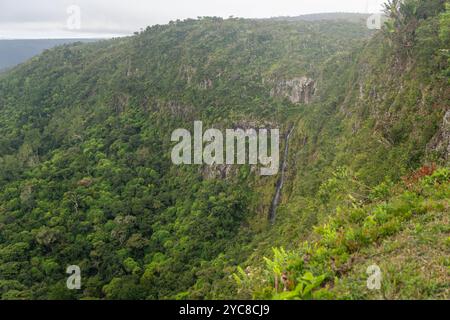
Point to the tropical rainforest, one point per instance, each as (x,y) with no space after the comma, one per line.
(86,176)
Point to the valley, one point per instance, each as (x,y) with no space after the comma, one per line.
(87,178)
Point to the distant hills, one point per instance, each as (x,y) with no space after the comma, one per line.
(346,16)
(14,52)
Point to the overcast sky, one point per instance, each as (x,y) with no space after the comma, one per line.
(106,18)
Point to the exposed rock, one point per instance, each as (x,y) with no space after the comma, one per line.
(120,102)
(178,109)
(254,124)
(187,73)
(206,84)
(441,141)
(175,109)
(297,90)
(226,171)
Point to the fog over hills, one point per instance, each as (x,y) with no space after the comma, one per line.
(14,52)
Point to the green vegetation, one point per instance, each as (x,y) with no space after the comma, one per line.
(415,216)
(86,177)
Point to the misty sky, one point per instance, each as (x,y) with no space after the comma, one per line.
(106,18)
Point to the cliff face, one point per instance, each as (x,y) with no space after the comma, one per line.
(440,144)
(297,90)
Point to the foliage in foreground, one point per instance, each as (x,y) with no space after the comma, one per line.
(350,240)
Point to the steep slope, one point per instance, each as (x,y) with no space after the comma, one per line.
(86,177)
(379,117)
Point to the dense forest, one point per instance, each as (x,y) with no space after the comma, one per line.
(86,177)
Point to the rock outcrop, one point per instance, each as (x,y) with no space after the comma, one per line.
(297,90)
(441,141)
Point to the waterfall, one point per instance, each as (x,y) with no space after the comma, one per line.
(280,182)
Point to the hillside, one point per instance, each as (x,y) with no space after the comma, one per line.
(86,177)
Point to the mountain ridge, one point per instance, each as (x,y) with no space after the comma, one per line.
(86,177)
